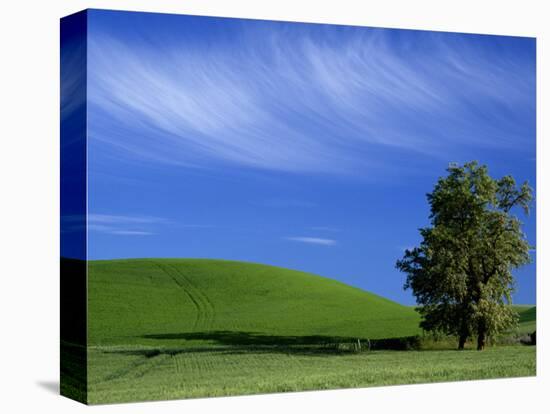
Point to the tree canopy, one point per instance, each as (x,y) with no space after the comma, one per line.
(461,274)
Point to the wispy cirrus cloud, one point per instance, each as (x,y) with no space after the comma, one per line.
(124,225)
(132,232)
(313,240)
(123,219)
(305,98)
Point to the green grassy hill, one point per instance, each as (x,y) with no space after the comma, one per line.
(139,301)
(527,318)
(173,328)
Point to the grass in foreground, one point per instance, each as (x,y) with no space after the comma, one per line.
(179,328)
(119,375)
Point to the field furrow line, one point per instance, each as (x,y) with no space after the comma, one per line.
(196,302)
(140,365)
(176,361)
(208,307)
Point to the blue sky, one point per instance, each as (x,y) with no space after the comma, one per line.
(300,145)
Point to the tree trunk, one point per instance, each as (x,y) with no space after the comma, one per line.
(461,342)
(481,338)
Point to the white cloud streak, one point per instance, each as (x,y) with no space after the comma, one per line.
(298,99)
(114,219)
(131,233)
(123,225)
(313,240)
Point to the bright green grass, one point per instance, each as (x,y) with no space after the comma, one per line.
(117,378)
(131,299)
(527,318)
(174,328)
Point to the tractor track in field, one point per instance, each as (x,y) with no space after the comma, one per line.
(177,365)
(137,368)
(198,308)
(204,308)
(209,306)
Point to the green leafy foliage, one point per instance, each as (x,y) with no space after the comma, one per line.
(461,274)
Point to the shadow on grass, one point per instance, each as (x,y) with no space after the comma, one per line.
(238,342)
(319,343)
(238,338)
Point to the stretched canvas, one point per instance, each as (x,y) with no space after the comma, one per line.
(253,206)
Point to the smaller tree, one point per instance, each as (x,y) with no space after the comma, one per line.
(461,272)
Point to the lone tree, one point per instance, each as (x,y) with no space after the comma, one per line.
(461,272)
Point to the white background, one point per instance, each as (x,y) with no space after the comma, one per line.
(29,204)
